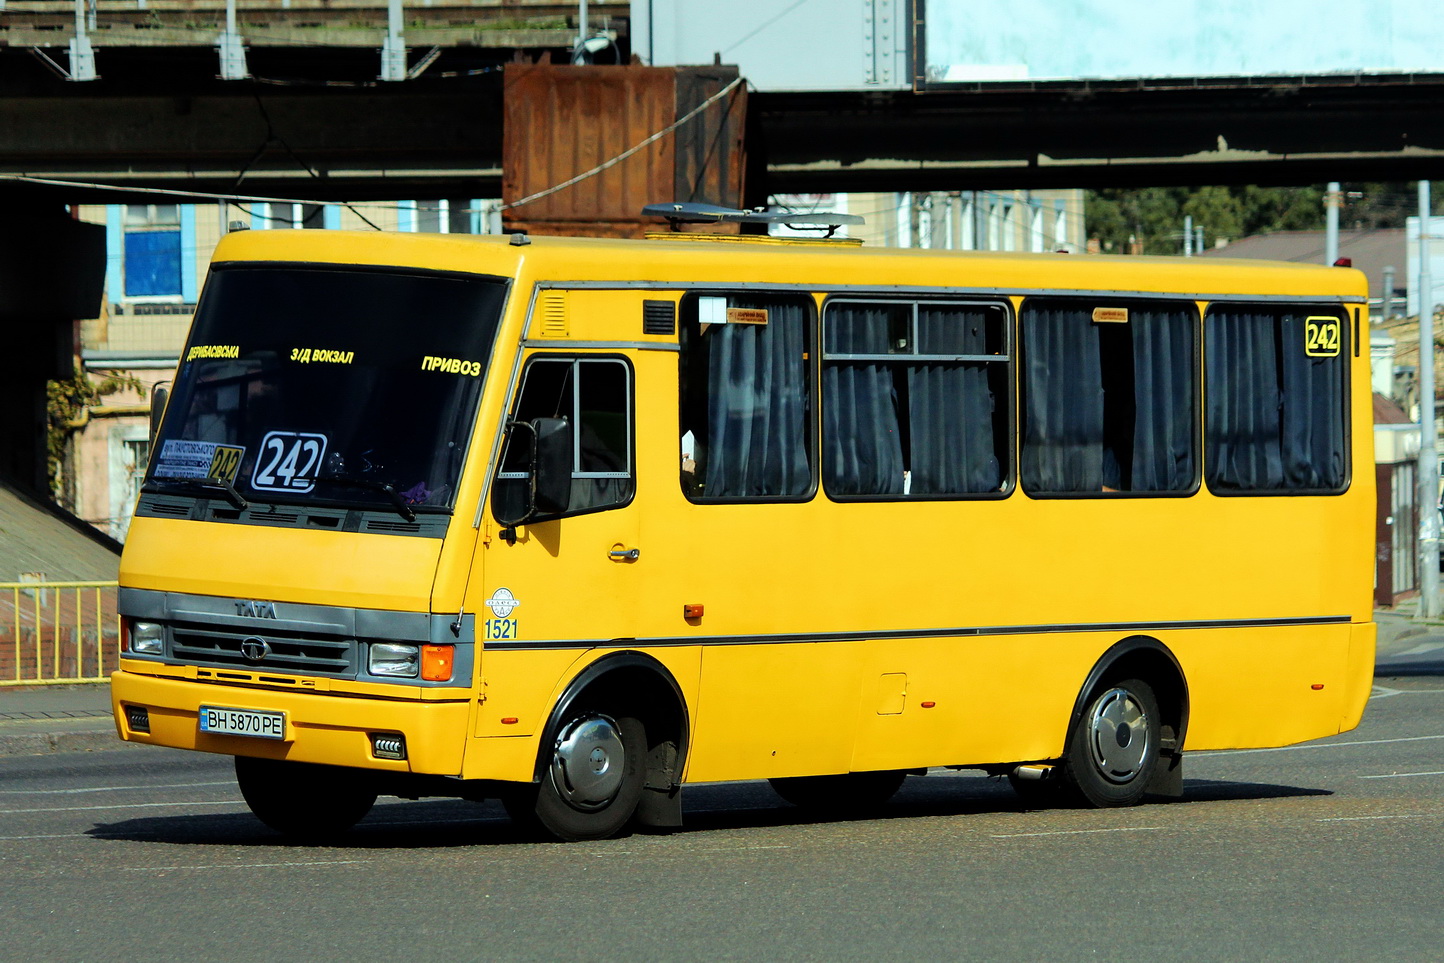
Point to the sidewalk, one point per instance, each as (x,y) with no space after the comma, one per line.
(77,717)
(56,718)
(1408,646)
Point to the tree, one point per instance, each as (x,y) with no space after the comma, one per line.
(1154,215)
(66,406)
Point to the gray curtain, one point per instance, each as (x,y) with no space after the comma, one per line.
(1108,406)
(1062,401)
(1163,345)
(757,404)
(861,433)
(951,407)
(1275,416)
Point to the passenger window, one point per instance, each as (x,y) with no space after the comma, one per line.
(1277,399)
(595,396)
(746,398)
(1108,396)
(914,399)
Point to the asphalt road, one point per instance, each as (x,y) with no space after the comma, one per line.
(1326,851)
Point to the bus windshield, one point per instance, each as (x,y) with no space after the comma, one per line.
(353,387)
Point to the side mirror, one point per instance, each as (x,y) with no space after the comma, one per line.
(547,488)
(551,473)
(158,396)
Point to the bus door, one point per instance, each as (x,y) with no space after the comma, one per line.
(566,577)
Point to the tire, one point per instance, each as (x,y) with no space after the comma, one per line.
(304,800)
(845,794)
(592,783)
(1113,750)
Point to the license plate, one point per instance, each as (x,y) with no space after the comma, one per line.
(218,720)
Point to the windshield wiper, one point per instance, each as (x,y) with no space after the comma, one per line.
(212,484)
(370,485)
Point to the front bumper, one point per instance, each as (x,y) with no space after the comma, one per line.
(328,729)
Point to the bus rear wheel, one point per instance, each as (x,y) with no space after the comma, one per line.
(1113,750)
(301,799)
(844,794)
(592,783)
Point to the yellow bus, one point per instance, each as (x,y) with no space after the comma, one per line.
(571,523)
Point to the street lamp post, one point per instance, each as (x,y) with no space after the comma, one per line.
(1428,430)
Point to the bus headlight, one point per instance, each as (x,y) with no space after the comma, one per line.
(392,658)
(147,638)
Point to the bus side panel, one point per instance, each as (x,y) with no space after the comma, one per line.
(1264,687)
(937,702)
(786,709)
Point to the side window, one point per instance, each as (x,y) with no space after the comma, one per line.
(1109,394)
(746,397)
(595,395)
(1277,392)
(914,398)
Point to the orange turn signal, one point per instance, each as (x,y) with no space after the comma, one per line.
(1317,686)
(692,610)
(436,662)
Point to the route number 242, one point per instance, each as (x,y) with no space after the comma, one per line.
(1321,337)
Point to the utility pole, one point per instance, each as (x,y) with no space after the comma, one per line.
(82,55)
(1188,235)
(393,47)
(231,48)
(1428,429)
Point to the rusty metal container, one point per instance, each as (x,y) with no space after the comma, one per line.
(562,121)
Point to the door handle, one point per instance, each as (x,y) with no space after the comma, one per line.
(624,554)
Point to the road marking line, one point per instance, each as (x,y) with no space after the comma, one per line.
(1401,775)
(1080,832)
(172,869)
(1350,819)
(1384,692)
(1421,649)
(81,809)
(1321,745)
(67,792)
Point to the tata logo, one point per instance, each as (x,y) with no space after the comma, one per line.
(256,610)
(255,649)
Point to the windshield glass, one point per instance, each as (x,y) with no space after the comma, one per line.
(316,384)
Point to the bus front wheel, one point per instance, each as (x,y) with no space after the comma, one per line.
(301,799)
(592,782)
(1113,750)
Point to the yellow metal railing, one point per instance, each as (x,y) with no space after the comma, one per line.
(54,633)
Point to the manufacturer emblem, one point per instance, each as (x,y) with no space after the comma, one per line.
(255,649)
(502,603)
(255,610)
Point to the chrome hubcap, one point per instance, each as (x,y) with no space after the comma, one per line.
(1118,738)
(589,762)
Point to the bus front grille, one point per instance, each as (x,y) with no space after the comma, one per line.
(208,646)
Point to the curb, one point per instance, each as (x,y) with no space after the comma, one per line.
(43,743)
